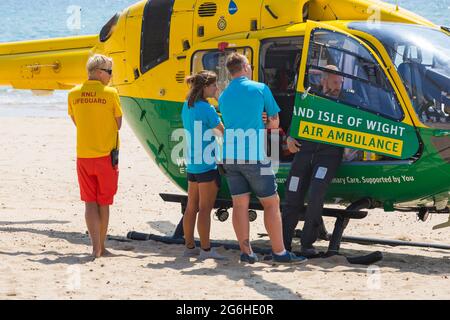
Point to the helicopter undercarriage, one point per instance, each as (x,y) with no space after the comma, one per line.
(342,216)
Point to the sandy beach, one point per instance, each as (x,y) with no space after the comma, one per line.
(44,247)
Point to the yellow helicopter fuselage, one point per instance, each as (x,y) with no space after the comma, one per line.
(156,44)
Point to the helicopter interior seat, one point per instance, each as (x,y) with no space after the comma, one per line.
(379,101)
(404,70)
(412,73)
(434,84)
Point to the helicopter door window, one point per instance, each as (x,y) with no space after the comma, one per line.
(215,60)
(364,84)
(155,33)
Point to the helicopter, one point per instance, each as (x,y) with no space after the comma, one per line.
(395,66)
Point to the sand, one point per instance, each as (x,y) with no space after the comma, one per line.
(44,247)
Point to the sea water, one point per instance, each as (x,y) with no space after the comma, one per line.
(44,19)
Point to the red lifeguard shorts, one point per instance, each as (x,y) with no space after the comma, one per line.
(98,180)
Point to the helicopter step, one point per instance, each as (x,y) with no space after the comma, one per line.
(422,214)
(222,206)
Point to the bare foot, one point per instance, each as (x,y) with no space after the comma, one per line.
(96,255)
(90,258)
(106,253)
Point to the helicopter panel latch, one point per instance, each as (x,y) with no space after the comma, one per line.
(305,94)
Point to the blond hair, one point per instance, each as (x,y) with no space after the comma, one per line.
(97,61)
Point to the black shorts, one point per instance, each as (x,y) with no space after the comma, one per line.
(209,176)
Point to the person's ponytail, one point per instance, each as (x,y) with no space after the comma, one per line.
(197,83)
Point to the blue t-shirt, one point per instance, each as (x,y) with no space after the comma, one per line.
(197,120)
(242,104)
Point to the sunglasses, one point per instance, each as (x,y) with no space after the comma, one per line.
(108,71)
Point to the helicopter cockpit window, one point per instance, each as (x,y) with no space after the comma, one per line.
(155,33)
(364,84)
(109,27)
(215,60)
(422,58)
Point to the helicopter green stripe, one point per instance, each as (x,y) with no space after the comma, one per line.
(153,122)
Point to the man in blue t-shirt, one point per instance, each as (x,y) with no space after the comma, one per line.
(242,105)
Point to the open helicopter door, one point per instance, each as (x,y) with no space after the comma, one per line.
(345,97)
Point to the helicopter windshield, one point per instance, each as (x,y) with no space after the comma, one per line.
(422,58)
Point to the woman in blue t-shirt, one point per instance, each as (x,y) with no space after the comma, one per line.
(201,123)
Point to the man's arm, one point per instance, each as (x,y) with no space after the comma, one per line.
(70,109)
(273,122)
(219,130)
(118,114)
(293,145)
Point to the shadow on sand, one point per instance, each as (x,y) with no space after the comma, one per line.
(250,275)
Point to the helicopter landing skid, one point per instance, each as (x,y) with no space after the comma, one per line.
(342,219)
